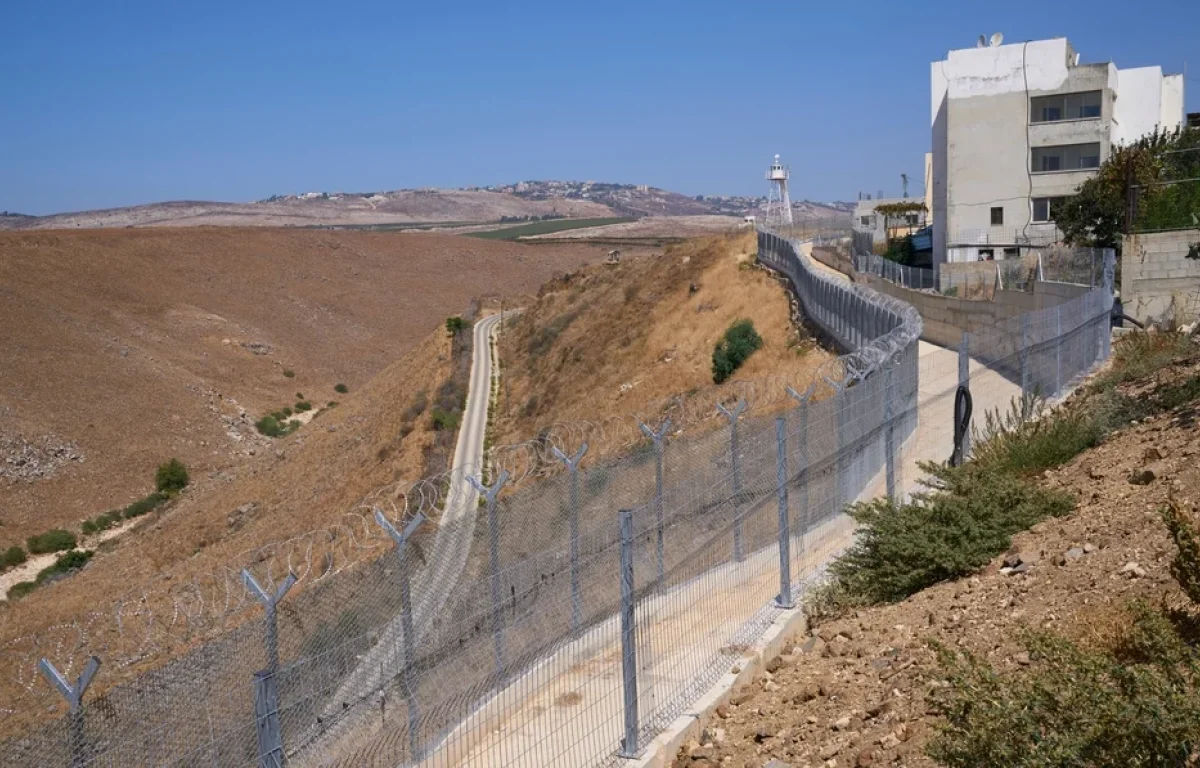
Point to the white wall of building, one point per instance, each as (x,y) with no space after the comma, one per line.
(1137,108)
(1172,102)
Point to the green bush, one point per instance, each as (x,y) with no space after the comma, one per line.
(341,389)
(288,372)
(171,477)
(20,589)
(445,420)
(947,532)
(275,425)
(50,541)
(1073,707)
(88,528)
(303,406)
(740,341)
(1185,568)
(64,564)
(145,505)
(455,324)
(13,556)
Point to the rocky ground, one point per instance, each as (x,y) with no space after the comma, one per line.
(861,691)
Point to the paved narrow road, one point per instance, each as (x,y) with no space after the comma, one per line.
(446,560)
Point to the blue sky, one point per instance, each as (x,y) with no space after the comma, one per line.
(109,104)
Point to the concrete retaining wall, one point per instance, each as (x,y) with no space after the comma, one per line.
(1158,282)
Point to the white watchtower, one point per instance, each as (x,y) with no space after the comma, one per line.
(779,205)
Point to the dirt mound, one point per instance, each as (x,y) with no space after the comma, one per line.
(124,348)
(611,341)
(863,690)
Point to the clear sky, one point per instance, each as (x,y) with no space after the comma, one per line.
(116,103)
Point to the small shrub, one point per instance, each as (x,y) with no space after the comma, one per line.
(286,411)
(288,372)
(171,477)
(1139,354)
(299,395)
(275,426)
(1185,568)
(20,589)
(13,556)
(951,292)
(418,405)
(531,406)
(303,406)
(50,541)
(948,532)
(89,528)
(331,404)
(455,324)
(341,389)
(1070,708)
(145,505)
(445,420)
(740,341)
(64,564)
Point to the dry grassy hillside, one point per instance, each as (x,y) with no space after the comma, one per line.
(121,349)
(620,340)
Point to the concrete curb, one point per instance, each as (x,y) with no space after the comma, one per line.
(661,751)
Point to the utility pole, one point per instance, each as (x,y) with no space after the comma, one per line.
(904,180)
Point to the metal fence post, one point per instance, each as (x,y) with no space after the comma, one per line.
(660,514)
(1023,355)
(964,381)
(73,693)
(840,391)
(572,464)
(629,744)
(1058,342)
(406,622)
(489,495)
(889,417)
(784,600)
(737,477)
(803,471)
(266,686)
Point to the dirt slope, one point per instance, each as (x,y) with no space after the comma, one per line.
(398,207)
(612,341)
(124,348)
(860,691)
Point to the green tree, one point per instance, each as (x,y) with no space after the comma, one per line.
(740,341)
(171,477)
(455,324)
(1095,215)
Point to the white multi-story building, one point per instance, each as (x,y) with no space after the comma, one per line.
(1018,127)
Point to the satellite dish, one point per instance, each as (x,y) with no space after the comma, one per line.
(982,42)
(997,39)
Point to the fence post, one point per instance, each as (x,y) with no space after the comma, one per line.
(889,416)
(266,686)
(73,693)
(784,600)
(659,512)
(489,495)
(572,464)
(732,416)
(840,390)
(964,380)
(1058,342)
(406,624)
(629,744)
(1023,355)
(802,471)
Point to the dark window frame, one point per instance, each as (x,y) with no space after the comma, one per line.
(1063,107)
(1060,159)
(997,215)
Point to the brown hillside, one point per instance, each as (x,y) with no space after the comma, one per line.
(612,341)
(124,348)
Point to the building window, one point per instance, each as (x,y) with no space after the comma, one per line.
(998,216)
(987,254)
(865,221)
(1065,106)
(1067,157)
(913,219)
(1012,253)
(1045,209)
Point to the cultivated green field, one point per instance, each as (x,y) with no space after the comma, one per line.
(546,227)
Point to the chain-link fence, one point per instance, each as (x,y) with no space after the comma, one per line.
(568,620)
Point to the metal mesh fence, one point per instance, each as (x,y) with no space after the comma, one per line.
(569,620)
